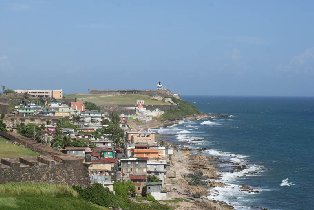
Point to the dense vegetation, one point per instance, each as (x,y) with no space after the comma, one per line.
(30,131)
(3,126)
(123,197)
(114,129)
(184,109)
(37,196)
(91,106)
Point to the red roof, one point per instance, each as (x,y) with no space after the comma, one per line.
(105,160)
(137,177)
(78,106)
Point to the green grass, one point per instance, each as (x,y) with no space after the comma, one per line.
(103,99)
(33,196)
(184,109)
(9,150)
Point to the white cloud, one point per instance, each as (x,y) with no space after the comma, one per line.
(301,64)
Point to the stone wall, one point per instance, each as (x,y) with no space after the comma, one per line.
(51,166)
(4,108)
(13,120)
(58,170)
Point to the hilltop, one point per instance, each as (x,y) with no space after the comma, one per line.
(116,99)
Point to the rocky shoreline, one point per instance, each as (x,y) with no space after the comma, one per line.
(155,123)
(192,173)
(188,181)
(189,172)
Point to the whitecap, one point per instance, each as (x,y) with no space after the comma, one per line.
(191,126)
(183,132)
(210,123)
(286,183)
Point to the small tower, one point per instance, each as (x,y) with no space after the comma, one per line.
(159,86)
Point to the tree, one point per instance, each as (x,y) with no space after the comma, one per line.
(8,91)
(153,178)
(65,123)
(114,129)
(91,106)
(124,189)
(3,126)
(3,88)
(31,131)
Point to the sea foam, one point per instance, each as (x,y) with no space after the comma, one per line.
(286,183)
(210,123)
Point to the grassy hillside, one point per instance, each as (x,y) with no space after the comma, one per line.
(37,196)
(9,150)
(103,99)
(184,109)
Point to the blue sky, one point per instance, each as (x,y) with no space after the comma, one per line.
(223,47)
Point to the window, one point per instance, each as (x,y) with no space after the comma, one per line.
(138,188)
(149,188)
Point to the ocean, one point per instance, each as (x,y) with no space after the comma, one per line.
(273,137)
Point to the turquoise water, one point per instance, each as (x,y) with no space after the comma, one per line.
(273,137)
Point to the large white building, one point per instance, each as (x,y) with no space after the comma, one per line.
(56,94)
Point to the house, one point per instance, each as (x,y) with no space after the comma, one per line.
(146,153)
(152,187)
(157,168)
(61,110)
(139,182)
(26,112)
(103,143)
(91,119)
(84,152)
(133,138)
(104,152)
(132,166)
(103,171)
(78,106)
(104,180)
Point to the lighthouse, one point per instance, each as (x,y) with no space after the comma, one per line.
(159,86)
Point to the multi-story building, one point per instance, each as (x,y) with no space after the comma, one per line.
(56,94)
(134,169)
(134,138)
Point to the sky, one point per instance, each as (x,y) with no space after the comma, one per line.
(195,47)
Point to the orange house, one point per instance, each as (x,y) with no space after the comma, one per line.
(146,153)
(78,106)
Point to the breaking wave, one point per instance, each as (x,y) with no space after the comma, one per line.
(286,183)
(210,123)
